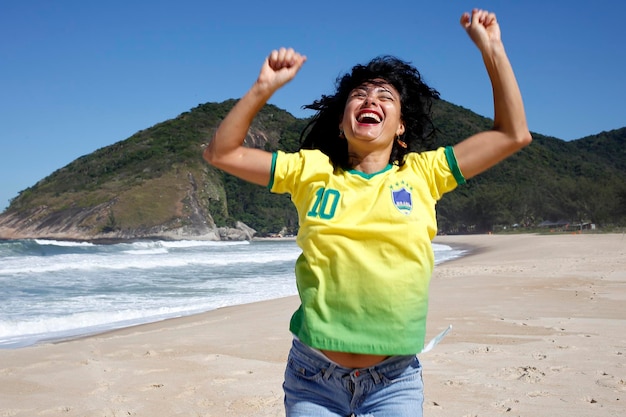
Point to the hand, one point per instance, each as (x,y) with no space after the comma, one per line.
(280,67)
(482,27)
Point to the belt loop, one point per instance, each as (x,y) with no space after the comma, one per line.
(375,374)
(328,372)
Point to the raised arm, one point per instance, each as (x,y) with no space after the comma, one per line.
(510,131)
(226,150)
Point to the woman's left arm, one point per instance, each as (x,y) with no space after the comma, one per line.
(510,131)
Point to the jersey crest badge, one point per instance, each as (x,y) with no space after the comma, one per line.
(402,198)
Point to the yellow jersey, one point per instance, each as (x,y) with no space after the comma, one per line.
(367,258)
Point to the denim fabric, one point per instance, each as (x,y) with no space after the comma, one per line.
(317,387)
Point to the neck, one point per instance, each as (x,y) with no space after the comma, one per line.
(370,157)
(370,163)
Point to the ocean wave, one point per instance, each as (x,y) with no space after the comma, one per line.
(137,260)
(29,331)
(156,251)
(62,243)
(57,323)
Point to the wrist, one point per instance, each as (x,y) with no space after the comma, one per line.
(261,91)
(493,49)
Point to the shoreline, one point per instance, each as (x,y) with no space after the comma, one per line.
(105,329)
(537,324)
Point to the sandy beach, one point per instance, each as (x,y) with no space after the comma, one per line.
(539,329)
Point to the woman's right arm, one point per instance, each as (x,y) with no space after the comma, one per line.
(226,150)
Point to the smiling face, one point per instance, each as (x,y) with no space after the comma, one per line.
(372,116)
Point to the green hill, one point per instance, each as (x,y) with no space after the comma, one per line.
(551,180)
(155,184)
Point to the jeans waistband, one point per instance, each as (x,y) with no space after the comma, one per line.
(317,359)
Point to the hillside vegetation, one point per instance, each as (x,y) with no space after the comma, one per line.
(155,183)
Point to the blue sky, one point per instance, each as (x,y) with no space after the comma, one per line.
(76,76)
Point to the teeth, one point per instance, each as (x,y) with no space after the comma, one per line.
(368,115)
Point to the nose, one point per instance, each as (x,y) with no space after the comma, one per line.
(370,99)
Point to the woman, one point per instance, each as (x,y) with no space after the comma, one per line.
(365,190)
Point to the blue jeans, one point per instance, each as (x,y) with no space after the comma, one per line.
(317,387)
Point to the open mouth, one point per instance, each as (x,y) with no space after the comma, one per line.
(368,117)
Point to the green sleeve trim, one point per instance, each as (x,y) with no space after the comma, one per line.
(454,166)
(271,184)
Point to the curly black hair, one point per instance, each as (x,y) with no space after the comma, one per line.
(416,98)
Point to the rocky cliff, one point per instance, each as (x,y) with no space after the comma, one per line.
(190,220)
(153,185)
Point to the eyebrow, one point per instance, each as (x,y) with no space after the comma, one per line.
(374,87)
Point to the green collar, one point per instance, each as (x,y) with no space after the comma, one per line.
(368,176)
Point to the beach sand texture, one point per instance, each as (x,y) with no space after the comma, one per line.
(539,329)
